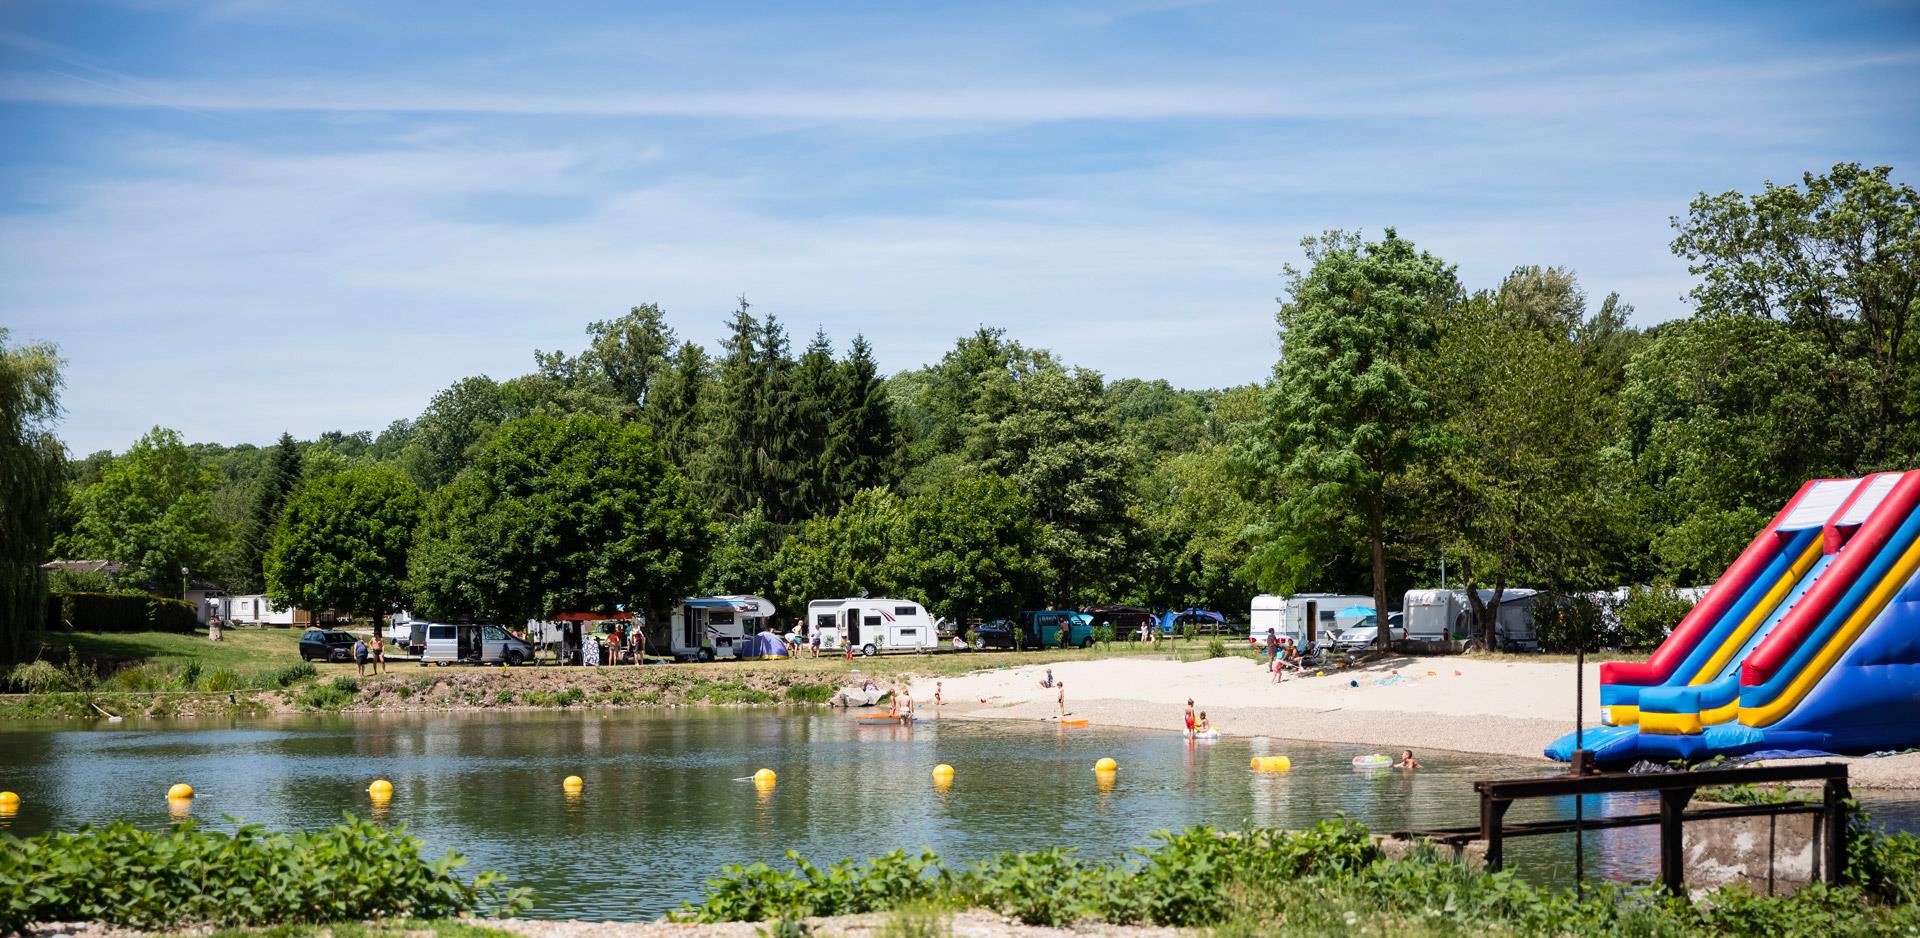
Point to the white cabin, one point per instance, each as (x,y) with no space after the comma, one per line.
(704,628)
(871,626)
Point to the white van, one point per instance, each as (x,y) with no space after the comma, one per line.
(871,626)
(704,628)
(444,644)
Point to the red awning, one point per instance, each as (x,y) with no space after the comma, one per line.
(591,616)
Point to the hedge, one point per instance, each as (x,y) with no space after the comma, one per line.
(108,612)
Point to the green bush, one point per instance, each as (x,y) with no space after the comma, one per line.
(220,680)
(1573,623)
(1650,613)
(1216,648)
(810,693)
(38,677)
(136,678)
(1330,879)
(121,875)
(109,612)
(288,676)
(334,696)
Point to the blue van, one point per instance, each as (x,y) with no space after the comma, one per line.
(1054,628)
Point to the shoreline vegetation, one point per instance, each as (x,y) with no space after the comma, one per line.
(1332,878)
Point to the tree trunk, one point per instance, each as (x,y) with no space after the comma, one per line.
(1377,538)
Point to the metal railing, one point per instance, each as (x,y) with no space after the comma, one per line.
(1675,790)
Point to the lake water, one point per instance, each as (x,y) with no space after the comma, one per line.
(662,809)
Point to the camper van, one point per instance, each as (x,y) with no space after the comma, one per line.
(443,644)
(1446,616)
(871,626)
(1310,619)
(708,627)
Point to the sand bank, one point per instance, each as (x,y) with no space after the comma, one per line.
(1468,705)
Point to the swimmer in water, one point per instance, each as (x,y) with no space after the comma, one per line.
(1407,761)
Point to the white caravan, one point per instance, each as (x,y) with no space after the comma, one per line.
(871,626)
(1307,618)
(1445,615)
(704,628)
(255,609)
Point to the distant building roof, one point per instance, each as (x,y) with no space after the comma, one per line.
(107,567)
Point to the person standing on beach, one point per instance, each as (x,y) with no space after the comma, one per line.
(1062,698)
(1188,717)
(378,649)
(936,700)
(360,655)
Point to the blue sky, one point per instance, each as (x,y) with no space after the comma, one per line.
(242,217)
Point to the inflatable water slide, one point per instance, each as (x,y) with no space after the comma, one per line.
(1808,644)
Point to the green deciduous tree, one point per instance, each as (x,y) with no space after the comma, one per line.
(743,557)
(561,514)
(456,421)
(151,510)
(32,469)
(1517,482)
(1723,417)
(1060,446)
(969,549)
(843,554)
(341,543)
(1347,417)
(1836,257)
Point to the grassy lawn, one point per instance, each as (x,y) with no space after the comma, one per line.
(245,651)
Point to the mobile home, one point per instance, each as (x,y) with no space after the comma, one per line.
(258,610)
(871,626)
(704,628)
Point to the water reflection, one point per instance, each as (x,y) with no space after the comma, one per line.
(668,799)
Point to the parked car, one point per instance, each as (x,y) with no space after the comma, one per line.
(997,633)
(326,645)
(1366,634)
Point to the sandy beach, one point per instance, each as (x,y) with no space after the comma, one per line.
(1468,705)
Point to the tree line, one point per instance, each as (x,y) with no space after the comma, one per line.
(1520,433)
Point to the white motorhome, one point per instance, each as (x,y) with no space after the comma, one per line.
(1307,618)
(871,626)
(1445,615)
(704,628)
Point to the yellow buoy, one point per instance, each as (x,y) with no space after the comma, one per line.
(7,797)
(943,771)
(1106,765)
(1271,763)
(380,790)
(180,790)
(1104,779)
(764,777)
(572,783)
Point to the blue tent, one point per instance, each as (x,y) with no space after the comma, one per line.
(768,645)
(1170,621)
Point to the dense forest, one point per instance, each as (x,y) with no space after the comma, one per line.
(1525,433)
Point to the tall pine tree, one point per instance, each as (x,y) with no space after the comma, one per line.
(815,386)
(863,441)
(731,452)
(673,409)
(276,482)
